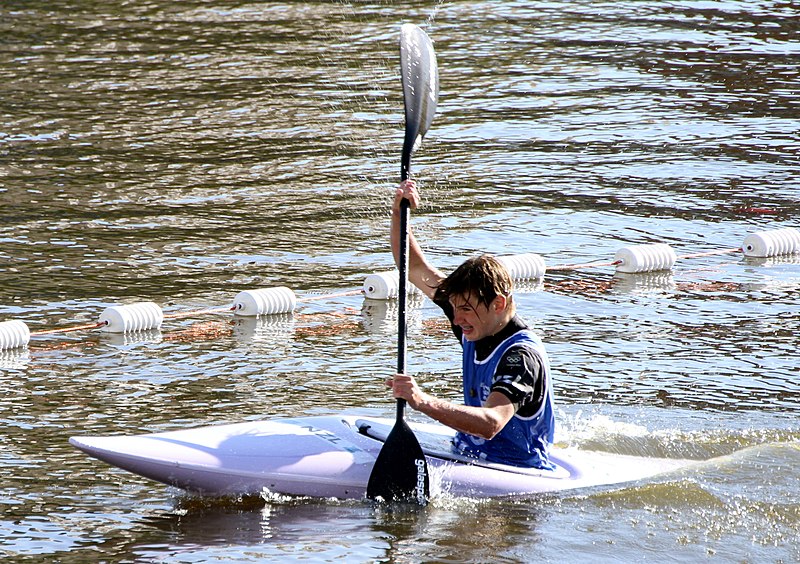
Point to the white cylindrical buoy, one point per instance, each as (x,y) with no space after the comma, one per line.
(138,316)
(264,301)
(772,243)
(645,258)
(385,286)
(382,285)
(14,334)
(526,266)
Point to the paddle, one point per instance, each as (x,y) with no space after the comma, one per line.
(401,472)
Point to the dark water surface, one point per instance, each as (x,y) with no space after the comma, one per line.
(182,152)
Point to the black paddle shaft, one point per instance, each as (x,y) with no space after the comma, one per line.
(402,325)
(413,117)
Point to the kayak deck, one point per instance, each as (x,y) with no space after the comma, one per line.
(332,456)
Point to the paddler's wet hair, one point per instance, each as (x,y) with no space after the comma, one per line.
(482,278)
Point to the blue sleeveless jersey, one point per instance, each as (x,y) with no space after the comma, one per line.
(523,441)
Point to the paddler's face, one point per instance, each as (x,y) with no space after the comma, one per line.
(475,319)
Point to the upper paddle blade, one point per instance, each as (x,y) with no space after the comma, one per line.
(420,75)
(400,472)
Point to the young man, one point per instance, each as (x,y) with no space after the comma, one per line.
(507,415)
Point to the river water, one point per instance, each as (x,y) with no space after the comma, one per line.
(180,152)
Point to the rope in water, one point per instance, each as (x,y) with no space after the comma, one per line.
(384,286)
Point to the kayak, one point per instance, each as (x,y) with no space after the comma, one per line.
(332,457)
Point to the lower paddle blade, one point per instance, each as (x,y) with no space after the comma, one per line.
(400,472)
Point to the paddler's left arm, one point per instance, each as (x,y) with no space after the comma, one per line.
(484,422)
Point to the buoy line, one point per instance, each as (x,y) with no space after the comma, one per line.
(632,259)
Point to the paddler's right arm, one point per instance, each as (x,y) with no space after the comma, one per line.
(421,273)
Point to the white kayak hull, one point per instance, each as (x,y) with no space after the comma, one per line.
(328,457)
